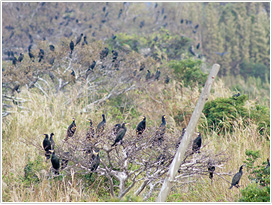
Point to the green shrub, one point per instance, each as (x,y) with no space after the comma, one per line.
(259,189)
(188,70)
(222,113)
(32,169)
(255,193)
(260,114)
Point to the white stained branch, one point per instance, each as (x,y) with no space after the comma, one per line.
(166,187)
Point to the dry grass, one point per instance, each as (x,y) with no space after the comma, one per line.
(46,115)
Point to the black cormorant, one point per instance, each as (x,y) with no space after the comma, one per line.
(197,144)
(120,135)
(236,178)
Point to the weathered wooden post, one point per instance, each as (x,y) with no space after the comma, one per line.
(187,136)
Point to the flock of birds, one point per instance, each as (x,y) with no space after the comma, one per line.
(119,131)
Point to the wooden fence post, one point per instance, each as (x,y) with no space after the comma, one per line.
(179,156)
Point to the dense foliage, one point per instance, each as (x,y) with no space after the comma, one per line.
(259,189)
(223,113)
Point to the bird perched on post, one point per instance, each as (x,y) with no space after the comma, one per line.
(90,133)
(157,75)
(55,163)
(52,142)
(141,127)
(101,125)
(161,131)
(180,138)
(120,135)
(95,161)
(236,178)
(79,39)
(72,46)
(71,130)
(47,146)
(197,144)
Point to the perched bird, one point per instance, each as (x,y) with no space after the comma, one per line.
(64,160)
(29,48)
(141,24)
(14,60)
(52,47)
(93,65)
(181,21)
(52,142)
(236,178)
(79,39)
(221,54)
(104,53)
(55,163)
(141,127)
(95,161)
(191,50)
(114,54)
(90,133)
(157,75)
(21,57)
(268,163)
(120,135)
(101,125)
(47,146)
(41,54)
(167,79)
(51,75)
(196,26)
(148,75)
(180,138)
(134,72)
(161,158)
(161,130)
(142,66)
(116,128)
(31,56)
(72,46)
(197,144)
(71,129)
(120,13)
(211,169)
(85,42)
(236,95)
(73,76)
(104,9)
(197,46)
